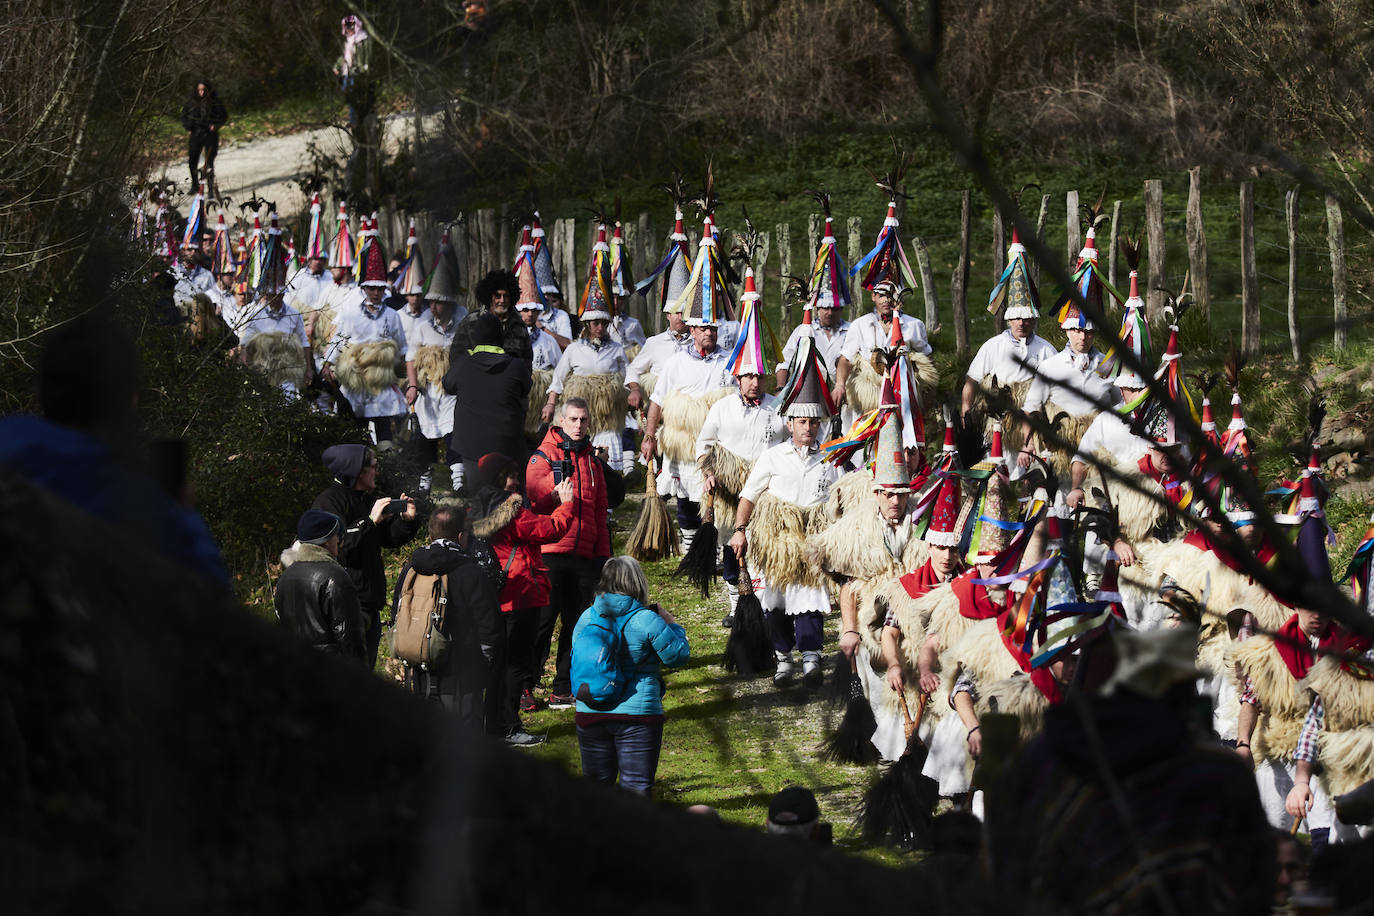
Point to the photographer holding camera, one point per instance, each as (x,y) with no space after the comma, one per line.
(575,560)
(370,523)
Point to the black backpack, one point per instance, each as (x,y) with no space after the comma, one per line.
(481,550)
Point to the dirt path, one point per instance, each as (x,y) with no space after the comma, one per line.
(270,167)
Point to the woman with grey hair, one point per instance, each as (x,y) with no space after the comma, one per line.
(623,736)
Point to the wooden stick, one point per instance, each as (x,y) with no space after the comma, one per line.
(909,725)
(1297,822)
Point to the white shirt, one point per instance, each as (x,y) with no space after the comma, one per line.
(1071,382)
(866,334)
(586,358)
(354,325)
(795,476)
(409,324)
(262,321)
(829,343)
(627,331)
(556,320)
(690,372)
(654,354)
(306,287)
(1111,433)
(338,296)
(196,280)
(1009,359)
(226,303)
(740,428)
(545,348)
(434,408)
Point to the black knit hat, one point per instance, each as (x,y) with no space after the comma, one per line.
(317,526)
(345,462)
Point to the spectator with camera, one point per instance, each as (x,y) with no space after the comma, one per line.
(574,560)
(370,523)
(502,517)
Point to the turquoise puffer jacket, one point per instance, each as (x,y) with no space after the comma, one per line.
(652,645)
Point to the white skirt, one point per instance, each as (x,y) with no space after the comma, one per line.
(947,761)
(890,737)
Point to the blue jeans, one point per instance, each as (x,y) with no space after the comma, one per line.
(631,748)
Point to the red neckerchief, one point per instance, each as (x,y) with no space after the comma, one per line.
(922,580)
(1296,649)
(974,601)
(1049,688)
(1204,541)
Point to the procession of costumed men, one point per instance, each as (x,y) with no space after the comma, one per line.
(1067,512)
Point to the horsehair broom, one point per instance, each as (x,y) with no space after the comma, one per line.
(699,565)
(852,740)
(898,806)
(652,537)
(748,650)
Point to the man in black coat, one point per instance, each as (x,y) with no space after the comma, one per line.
(369,525)
(492,388)
(202,116)
(472,621)
(315,598)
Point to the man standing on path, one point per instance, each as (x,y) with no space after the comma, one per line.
(202,116)
(575,560)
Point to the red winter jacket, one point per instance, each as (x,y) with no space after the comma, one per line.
(512,528)
(590,535)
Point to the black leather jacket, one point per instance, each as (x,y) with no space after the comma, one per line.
(316,600)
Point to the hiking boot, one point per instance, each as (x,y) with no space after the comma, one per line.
(522,738)
(786,670)
(527,703)
(812,675)
(562,701)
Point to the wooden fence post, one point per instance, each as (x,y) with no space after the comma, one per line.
(999,258)
(958,285)
(1115,244)
(491,244)
(1197,246)
(1290,209)
(1073,241)
(1158,273)
(932,297)
(462,252)
(505,244)
(784,233)
(1335,234)
(856,251)
(646,260)
(569,281)
(815,224)
(1249,281)
(1040,234)
(761,270)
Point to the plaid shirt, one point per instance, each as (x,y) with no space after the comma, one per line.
(1313,724)
(1307,738)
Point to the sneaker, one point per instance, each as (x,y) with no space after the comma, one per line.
(782,677)
(812,675)
(527,703)
(561,701)
(522,738)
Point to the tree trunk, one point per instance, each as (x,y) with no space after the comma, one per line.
(784,233)
(999,258)
(1034,263)
(1115,243)
(1335,233)
(932,297)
